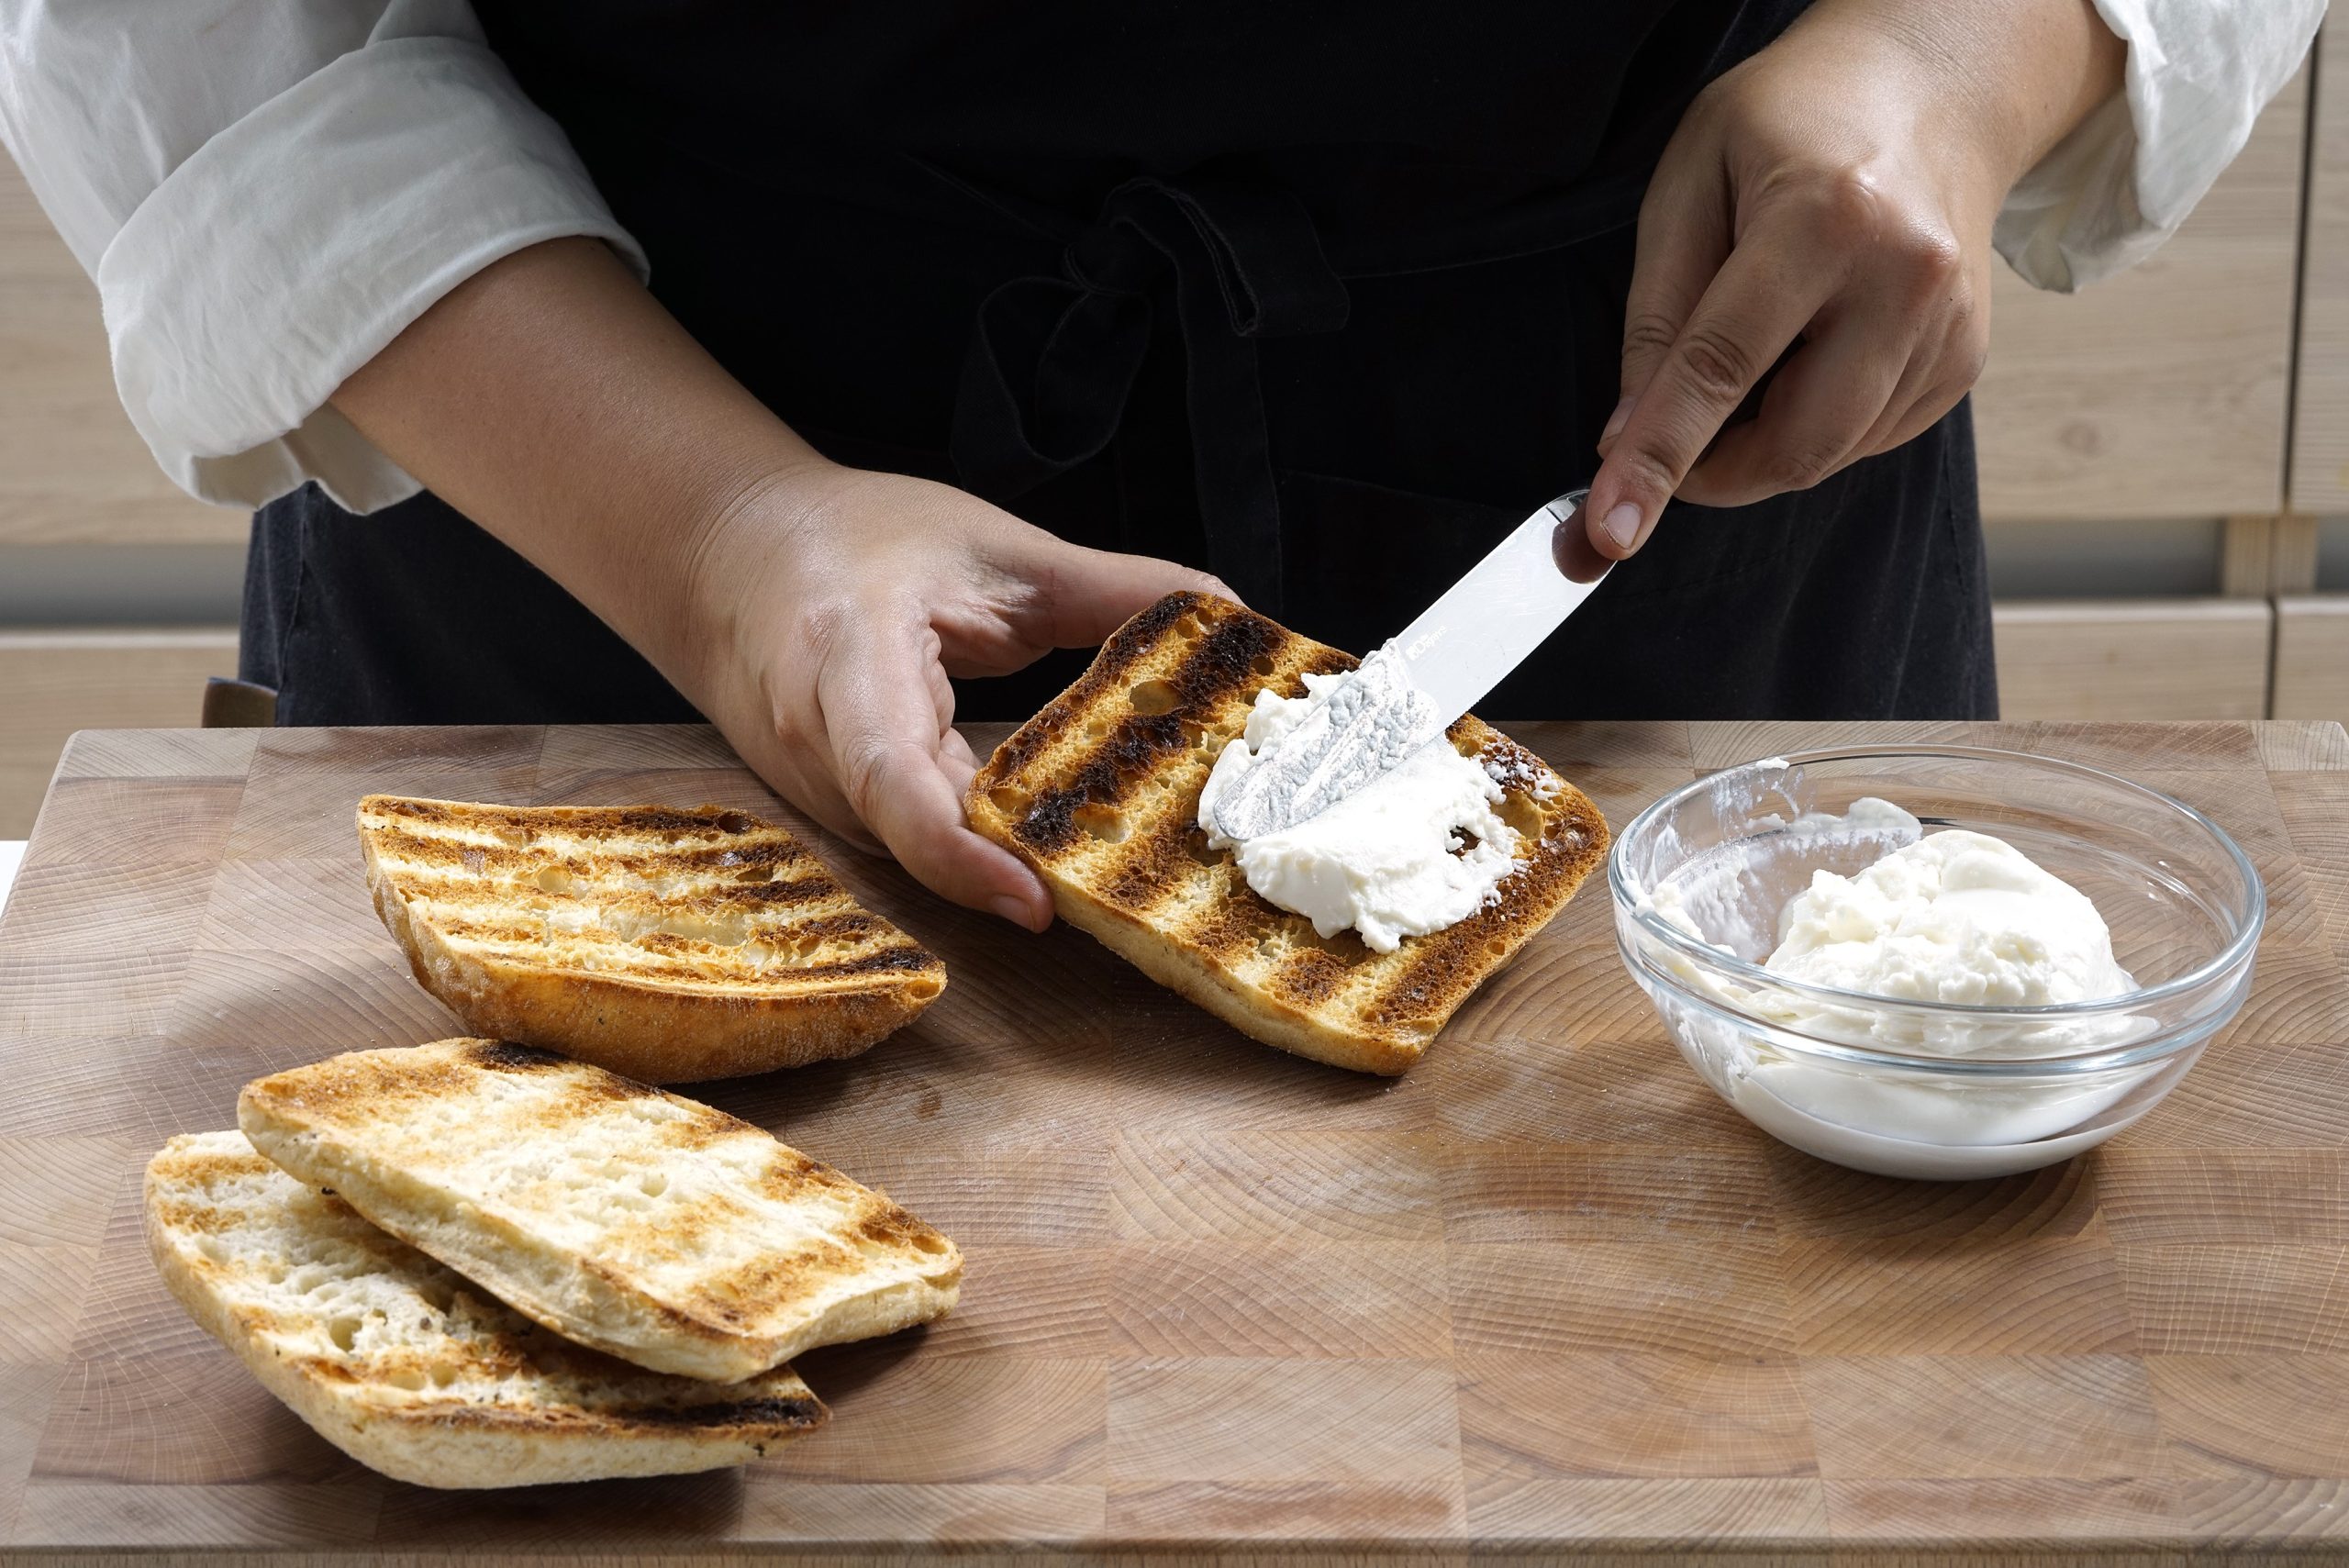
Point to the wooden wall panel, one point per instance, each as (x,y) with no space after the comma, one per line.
(2133,658)
(2312,657)
(2160,392)
(58,682)
(71,469)
(2321,425)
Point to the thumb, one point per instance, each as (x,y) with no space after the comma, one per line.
(1084,594)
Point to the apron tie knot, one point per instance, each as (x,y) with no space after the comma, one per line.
(1051,359)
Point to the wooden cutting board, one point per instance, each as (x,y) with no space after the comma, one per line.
(1544,1293)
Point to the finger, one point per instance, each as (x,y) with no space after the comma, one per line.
(1084,594)
(1816,414)
(1571,550)
(1764,295)
(954,749)
(794,757)
(885,742)
(1049,594)
(958,762)
(1683,236)
(941,689)
(1916,409)
(817,794)
(1918,418)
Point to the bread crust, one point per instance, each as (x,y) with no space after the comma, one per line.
(1099,793)
(509,1412)
(659,1027)
(529,1173)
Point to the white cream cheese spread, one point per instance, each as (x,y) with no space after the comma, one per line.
(1413,850)
(1342,734)
(1956,916)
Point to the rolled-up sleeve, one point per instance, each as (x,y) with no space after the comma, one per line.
(267,191)
(2199,72)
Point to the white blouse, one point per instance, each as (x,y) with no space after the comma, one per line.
(268,191)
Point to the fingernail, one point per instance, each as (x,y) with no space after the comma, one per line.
(1013,909)
(1616,421)
(1622,524)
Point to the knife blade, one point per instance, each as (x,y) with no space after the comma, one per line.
(1492,620)
(1408,692)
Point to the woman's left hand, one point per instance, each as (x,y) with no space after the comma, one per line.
(1834,195)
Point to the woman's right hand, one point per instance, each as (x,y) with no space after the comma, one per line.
(828,610)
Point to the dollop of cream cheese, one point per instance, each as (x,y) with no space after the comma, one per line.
(1417,849)
(1956,916)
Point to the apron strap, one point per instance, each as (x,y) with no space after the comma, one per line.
(1051,359)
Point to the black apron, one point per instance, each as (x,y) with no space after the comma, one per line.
(1323,298)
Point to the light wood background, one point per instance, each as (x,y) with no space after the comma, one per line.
(54,682)
(2321,430)
(1545,1294)
(2313,656)
(2134,657)
(71,469)
(2161,393)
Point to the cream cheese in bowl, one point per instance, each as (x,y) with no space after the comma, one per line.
(1935,997)
(1954,917)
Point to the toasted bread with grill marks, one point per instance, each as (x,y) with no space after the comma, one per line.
(668,945)
(1100,793)
(640,1223)
(408,1367)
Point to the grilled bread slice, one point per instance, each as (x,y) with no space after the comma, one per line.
(668,945)
(411,1369)
(1100,793)
(645,1225)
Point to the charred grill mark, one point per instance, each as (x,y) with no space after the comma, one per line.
(1117,657)
(1309,976)
(701,821)
(505,1056)
(501,933)
(1154,863)
(751,896)
(798,1411)
(792,1173)
(653,819)
(850,925)
(762,854)
(1235,925)
(433,850)
(1130,754)
(1224,662)
(1019,749)
(1329,662)
(908,959)
(401,805)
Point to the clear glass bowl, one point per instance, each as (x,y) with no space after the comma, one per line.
(1928,1089)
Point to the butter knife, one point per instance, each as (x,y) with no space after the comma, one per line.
(1506,606)
(1408,692)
